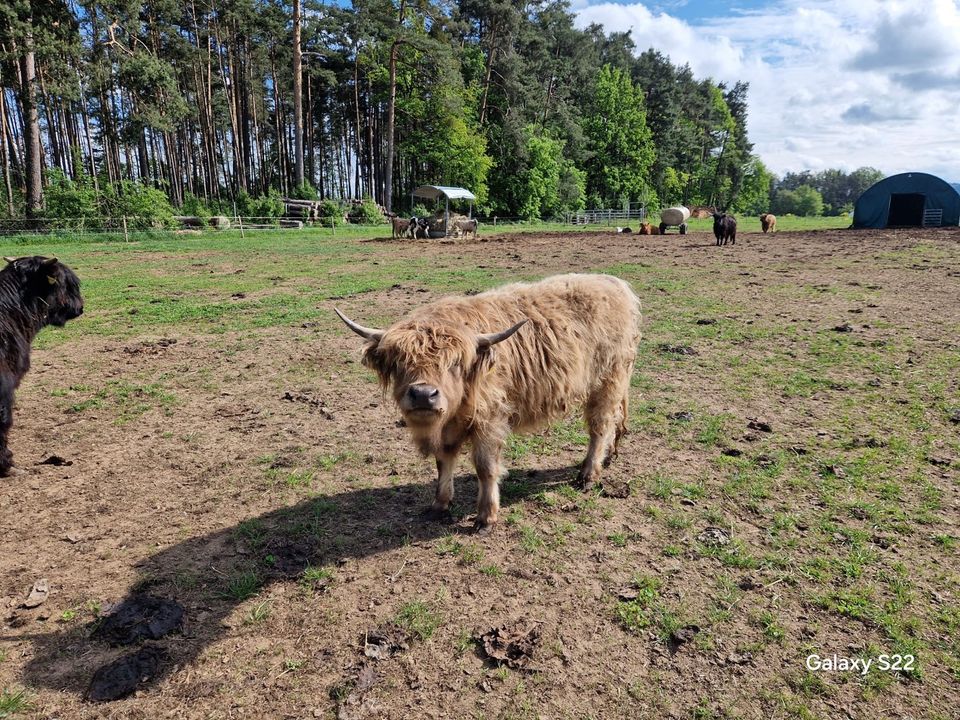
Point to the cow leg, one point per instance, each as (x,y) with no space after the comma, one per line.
(486,460)
(606,416)
(6,421)
(621,430)
(446,466)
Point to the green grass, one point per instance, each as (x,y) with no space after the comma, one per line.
(241,586)
(317,578)
(13,702)
(419,619)
(258,613)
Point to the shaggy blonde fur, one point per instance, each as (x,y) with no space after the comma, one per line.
(768,222)
(577,349)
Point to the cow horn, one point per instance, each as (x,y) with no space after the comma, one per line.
(10,259)
(485,341)
(364,332)
(49,262)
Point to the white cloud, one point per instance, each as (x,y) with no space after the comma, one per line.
(832,83)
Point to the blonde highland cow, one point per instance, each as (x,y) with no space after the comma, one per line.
(513,359)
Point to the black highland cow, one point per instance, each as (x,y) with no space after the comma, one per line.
(725,228)
(34,292)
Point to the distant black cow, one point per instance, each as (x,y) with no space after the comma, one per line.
(34,292)
(725,228)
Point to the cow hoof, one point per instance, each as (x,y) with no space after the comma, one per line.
(432,514)
(14,471)
(483,529)
(586,482)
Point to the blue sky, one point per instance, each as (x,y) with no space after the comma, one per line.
(833,83)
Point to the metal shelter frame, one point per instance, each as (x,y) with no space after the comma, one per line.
(434,192)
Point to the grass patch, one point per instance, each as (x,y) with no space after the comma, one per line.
(241,586)
(13,701)
(419,619)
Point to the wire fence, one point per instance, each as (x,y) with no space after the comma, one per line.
(606,216)
(131,228)
(134,227)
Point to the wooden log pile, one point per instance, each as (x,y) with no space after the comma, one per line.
(304,210)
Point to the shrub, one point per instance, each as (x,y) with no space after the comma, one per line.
(305,192)
(75,203)
(145,207)
(192,205)
(269,206)
(330,212)
(366,213)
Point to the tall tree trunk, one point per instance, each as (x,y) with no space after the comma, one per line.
(391,111)
(87,135)
(31,129)
(309,128)
(361,166)
(372,174)
(297,96)
(486,75)
(5,152)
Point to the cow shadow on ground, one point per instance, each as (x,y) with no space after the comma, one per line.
(210,575)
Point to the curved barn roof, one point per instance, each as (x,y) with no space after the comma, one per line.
(908,199)
(451,193)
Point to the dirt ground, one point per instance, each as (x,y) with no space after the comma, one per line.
(799,393)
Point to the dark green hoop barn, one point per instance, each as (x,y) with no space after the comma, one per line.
(908,200)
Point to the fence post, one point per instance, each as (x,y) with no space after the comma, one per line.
(333,225)
(126,236)
(240,223)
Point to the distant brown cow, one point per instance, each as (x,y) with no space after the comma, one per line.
(768,222)
(400,227)
(648,229)
(466,226)
(566,341)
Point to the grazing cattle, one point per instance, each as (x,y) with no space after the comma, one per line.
(400,227)
(564,341)
(419,227)
(34,292)
(702,211)
(648,229)
(768,222)
(467,226)
(725,228)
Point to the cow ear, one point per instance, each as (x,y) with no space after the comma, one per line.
(49,266)
(484,363)
(377,361)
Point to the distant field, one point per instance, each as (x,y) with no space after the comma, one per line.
(785,223)
(790,486)
(745,224)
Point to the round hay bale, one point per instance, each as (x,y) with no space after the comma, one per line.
(220,222)
(675,215)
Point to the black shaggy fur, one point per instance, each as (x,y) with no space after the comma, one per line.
(34,292)
(725,228)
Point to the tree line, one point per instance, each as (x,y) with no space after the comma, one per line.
(107,105)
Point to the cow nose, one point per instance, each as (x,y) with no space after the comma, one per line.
(423,397)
